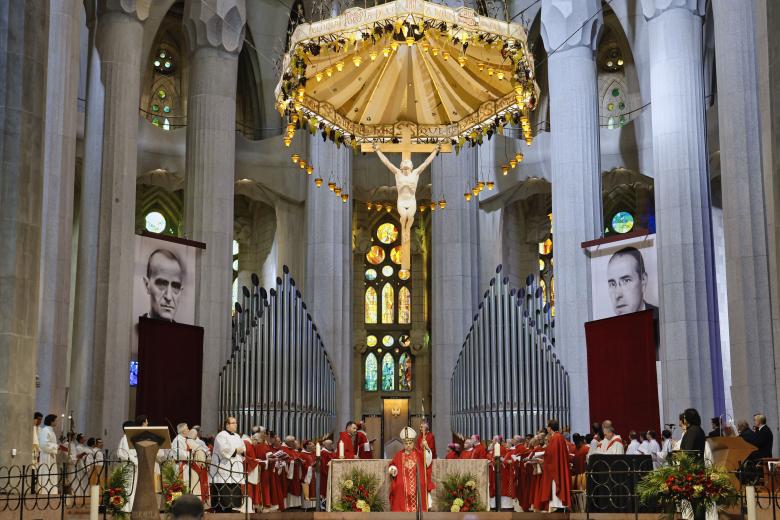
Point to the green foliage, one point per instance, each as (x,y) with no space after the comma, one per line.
(172,484)
(458,493)
(688,484)
(359,493)
(116,494)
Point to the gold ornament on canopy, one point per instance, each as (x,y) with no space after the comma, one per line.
(396,90)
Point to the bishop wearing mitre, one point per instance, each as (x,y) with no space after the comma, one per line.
(409,465)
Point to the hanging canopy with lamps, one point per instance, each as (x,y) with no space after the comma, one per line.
(408,72)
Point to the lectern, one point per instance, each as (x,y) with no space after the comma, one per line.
(146,440)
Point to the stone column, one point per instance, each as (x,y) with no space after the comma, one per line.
(520,252)
(329,266)
(81,398)
(576,178)
(59,166)
(744,223)
(118,39)
(215,30)
(454,272)
(23,40)
(690,353)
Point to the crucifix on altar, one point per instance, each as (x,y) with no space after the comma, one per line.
(406,177)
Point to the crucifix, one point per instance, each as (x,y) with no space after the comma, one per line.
(406,176)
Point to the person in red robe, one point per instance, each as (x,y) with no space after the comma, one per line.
(468,450)
(348,439)
(361,440)
(263,452)
(453,451)
(326,455)
(307,458)
(293,483)
(479,449)
(427,434)
(275,468)
(406,467)
(518,459)
(555,488)
(580,463)
(508,476)
(254,489)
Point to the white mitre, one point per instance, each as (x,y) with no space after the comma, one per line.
(408,433)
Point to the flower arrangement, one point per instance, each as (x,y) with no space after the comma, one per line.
(458,493)
(359,493)
(172,484)
(115,495)
(690,485)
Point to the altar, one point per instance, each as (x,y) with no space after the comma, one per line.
(441,470)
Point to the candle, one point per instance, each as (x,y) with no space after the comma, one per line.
(317,450)
(496,449)
(341,449)
(94,502)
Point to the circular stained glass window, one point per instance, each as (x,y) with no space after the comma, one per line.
(387,271)
(623,222)
(395,255)
(155,108)
(375,255)
(611,106)
(371,341)
(161,94)
(167,109)
(404,274)
(235,265)
(370,274)
(388,341)
(235,247)
(387,233)
(541,264)
(615,92)
(405,340)
(155,222)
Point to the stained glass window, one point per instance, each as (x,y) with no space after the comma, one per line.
(371,340)
(405,372)
(404,305)
(395,255)
(404,274)
(134,373)
(387,233)
(388,340)
(155,222)
(545,248)
(370,274)
(371,376)
(405,340)
(387,271)
(388,295)
(613,106)
(375,255)
(388,373)
(371,305)
(623,222)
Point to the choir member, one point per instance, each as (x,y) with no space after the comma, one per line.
(48,475)
(409,465)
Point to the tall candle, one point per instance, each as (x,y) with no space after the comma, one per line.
(341,449)
(496,449)
(94,502)
(317,450)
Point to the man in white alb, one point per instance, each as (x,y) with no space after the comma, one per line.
(227,468)
(611,444)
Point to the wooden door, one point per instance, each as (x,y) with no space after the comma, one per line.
(395,417)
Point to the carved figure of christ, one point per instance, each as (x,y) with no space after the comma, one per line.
(406,177)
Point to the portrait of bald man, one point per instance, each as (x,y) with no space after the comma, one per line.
(164,282)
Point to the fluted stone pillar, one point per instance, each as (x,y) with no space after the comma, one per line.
(328,288)
(118,39)
(59,166)
(744,223)
(690,351)
(576,178)
(81,398)
(215,31)
(23,43)
(454,272)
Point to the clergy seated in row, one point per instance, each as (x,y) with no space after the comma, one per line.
(410,472)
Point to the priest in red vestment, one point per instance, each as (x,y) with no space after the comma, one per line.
(307,457)
(555,489)
(580,463)
(363,446)
(347,444)
(326,455)
(468,450)
(409,465)
(293,484)
(427,434)
(252,468)
(480,452)
(453,451)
